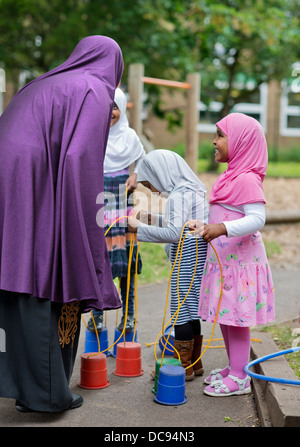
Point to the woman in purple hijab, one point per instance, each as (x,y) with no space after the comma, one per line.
(54,263)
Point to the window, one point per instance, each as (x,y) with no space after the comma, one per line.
(256,107)
(290,105)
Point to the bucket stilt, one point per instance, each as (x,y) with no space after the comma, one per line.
(128,337)
(91,342)
(171,386)
(93,371)
(166,361)
(128,360)
(170,344)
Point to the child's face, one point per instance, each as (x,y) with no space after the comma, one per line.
(115,115)
(221,147)
(149,186)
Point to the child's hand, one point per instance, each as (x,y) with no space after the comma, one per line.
(145,217)
(196,225)
(212,231)
(207,231)
(132,224)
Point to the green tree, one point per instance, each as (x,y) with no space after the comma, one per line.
(258,39)
(220,39)
(38,35)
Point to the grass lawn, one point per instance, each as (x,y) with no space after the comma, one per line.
(283,169)
(156,266)
(275,169)
(282,335)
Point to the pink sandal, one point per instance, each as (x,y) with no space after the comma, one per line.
(220,389)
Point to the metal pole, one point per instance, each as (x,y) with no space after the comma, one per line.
(136,89)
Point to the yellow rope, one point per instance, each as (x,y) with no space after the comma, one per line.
(258,340)
(96,332)
(177,311)
(135,290)
(166,305)
(180,247)
(176,314)
(132,237)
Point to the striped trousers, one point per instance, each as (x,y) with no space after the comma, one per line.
(180,285)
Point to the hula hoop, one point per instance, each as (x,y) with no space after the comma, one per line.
(267,378)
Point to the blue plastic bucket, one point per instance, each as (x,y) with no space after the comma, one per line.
(165,361)
(91,342)
(170,344)
(128,337)
(171,385)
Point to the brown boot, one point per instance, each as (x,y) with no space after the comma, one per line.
(198,367)
(185,349)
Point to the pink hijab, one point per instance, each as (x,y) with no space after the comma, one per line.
(241,183)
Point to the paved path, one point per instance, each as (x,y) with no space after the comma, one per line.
(128,402)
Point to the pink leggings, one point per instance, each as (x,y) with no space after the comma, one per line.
(237,342)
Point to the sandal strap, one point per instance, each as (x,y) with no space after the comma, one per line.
(241,382)
(215,374)
(219,385)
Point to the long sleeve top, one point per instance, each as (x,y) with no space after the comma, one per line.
(180,207)
(253,220)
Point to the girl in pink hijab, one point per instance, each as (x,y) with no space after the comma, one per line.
(237,213)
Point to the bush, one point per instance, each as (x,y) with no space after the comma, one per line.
(285,154)
(205,152)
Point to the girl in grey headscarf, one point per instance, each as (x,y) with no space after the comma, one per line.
(164,171)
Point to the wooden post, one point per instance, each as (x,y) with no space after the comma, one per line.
(192,119)
(136,89)
(273,116)
(2,89)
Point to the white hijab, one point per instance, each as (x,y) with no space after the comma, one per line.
(123,146)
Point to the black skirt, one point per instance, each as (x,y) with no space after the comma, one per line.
(38,350)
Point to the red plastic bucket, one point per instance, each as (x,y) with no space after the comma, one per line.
(128,360)
(93,372)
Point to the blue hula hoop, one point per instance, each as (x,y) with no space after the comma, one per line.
(267,378)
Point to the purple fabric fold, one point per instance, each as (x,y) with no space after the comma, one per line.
(53,136)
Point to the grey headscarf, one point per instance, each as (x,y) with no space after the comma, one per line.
(171,175)
(168,172)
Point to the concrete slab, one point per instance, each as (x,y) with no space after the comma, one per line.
(128,402)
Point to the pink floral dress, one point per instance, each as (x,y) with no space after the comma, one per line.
(248,291)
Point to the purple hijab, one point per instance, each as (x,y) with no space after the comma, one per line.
(53,136)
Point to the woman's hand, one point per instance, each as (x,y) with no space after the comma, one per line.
(132,224)
(207,231)
(131,183)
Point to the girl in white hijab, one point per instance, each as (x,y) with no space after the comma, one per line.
(166,172)
(124,146)
(123,149)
